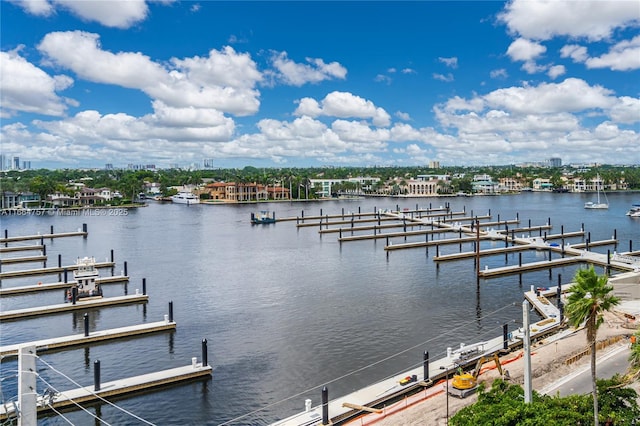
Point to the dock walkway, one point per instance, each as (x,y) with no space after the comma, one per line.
(49,270)
(59,285)
(6,240)
(87,394)
(66,307)
(96,336)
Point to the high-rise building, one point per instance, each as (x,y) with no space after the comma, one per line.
(434,164)
(555,162)
(3,162)
(16,163)
(26,165)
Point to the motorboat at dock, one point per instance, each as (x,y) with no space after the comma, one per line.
(263,217)
(184,197)
(85,276)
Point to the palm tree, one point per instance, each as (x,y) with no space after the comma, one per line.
(590,298)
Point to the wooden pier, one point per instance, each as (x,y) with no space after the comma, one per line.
(57,343)
(57,286)
(66,307)
(49,270)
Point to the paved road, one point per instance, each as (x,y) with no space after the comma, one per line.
(615,361)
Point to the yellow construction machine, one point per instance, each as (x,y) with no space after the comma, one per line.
(464,384)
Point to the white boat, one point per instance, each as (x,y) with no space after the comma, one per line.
(598,204)
(634,211)
(85,276)
(184,197)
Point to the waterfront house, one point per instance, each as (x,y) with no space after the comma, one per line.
(13,200)
(509,184)
(483,184)
(540,184)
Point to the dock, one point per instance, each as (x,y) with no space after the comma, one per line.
(84,395)
(49,270)
(35,247)
(7,239)
(67,307)
(58,286)
(435,242)
(63,342)
(23,259)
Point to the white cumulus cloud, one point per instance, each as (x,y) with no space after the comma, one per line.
(344,105)
(28,88)
(314,71)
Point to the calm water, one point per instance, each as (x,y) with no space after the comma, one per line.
(284,309)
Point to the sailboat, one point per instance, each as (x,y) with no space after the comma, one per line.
(597,204)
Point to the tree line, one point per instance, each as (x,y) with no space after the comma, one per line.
(131,182)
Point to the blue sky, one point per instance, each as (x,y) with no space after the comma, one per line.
(301,83)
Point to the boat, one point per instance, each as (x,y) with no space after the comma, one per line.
(263,217)
(597,204)
(634,211)
(185,197)
(85,276)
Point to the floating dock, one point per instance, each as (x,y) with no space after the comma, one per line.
(58,286)
(87,394)
(24,259)
(66,307)
(50,270)
(37,247)
(6,239)
(55,343)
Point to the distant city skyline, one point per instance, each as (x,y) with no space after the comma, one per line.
(309,84)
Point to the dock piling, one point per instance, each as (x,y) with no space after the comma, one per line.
(74,295)
(66,275)
(505,336)
(205,358)
(559,291)
(51,231)
(325,406)
(425,365)
(96,375)
(59,261)
(144,286)
(86,325)
(125,268)
(84,229)
(171,311)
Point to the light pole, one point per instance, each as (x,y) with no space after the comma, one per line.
(526,344)
(442,367)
